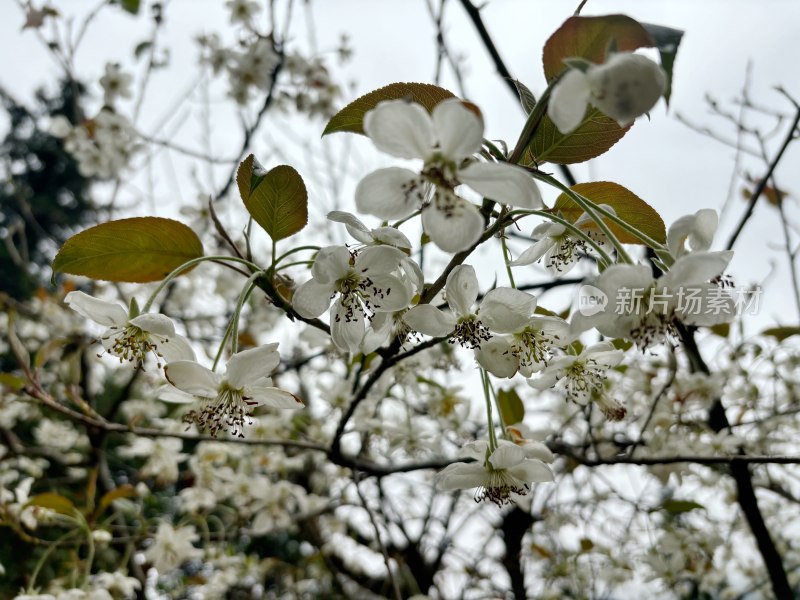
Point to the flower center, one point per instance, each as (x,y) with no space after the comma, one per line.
(441,172)
(654,328)
(470,332)
(583,378)
(532,347)
(500,484)
(564,252)
(359,295)
(229,411)
(132,344)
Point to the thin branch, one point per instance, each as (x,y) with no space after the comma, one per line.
(253,127)
(386,561)
(575,453)
(475,16)
(580,8)
(762,184)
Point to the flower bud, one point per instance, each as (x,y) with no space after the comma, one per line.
(626,86)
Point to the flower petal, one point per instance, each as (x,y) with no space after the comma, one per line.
(272,396)
(461,476)
(538,451)
(475,449)
(175,348)
(347,327)
(547,379)
(460,130)
(311,299)
(391,237)
(391,193)
(193,378)
(378,260)
(506,455)
(340,216)
(534,253)
(248,366)
(331,263)
(532,470)
(462,289)
(507,184)
(496,356)
(568,101)
(109,314)
(698,267)
(506,310)
(154,323)
(626,86)
(402,129)
(378,332)
(354,226)
(429,320)
(388,293)
(452,223)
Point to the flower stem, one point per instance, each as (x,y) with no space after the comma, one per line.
(490,421)
(188,265)
(572,228)
(534,119)
(249,285)
(293,250)
(643,237)
(506,259)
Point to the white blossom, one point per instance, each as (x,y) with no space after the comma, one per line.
(692,233)
(171,547)
(581,377)
(443,140)
(559,247)
(626,86)
(363,282)
(115,83)
(132,338)
(644,309)
(227,401)
(497,474)
(162,457)
(502,310)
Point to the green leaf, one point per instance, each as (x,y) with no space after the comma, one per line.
(721,329)
(621,344)
(676,507)
(510,405)
(18,349)
(126,490)
(53,501)
(593,137)
(781,333)
(541,310)
(141,49)
(585,38)
(136,250)
(667,41)
(132,6)
(589,38)
(351,117)
(12,382)
(627,205)
(276,199)
(526,97)
(47,350)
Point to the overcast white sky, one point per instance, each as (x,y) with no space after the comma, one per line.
(671,167)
